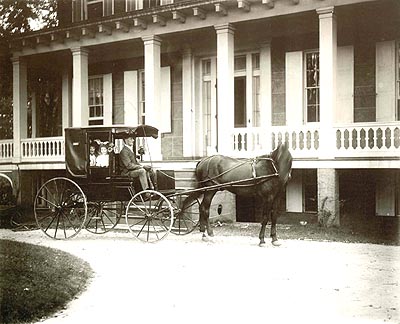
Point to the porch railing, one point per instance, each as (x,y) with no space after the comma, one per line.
(366,140)
(303,141)
(6,150)
(42,149)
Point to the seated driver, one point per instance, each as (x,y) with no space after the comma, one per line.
(132,168)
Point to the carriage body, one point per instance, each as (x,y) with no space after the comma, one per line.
(105,182)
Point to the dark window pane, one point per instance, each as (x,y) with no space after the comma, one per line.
(95,10)
(240,102)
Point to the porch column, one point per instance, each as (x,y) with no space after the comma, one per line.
(266,95)
(225,87)
(188,114)
(328,197)
(327,64)
(20,107)
(152,76)
(80,87)
(66,99)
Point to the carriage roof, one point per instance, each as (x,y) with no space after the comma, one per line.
(77,140)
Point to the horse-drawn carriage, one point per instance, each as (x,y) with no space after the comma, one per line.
(95,196)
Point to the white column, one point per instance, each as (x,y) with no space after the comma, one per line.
(80,110)
(225,86)
(152,75)
(266,94)
(188,117)
(328,65)
(20,109)
(131,98)
(66,99)
(34,114)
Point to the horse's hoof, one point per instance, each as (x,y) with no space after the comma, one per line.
(206,238)
(276,243)
(261,244)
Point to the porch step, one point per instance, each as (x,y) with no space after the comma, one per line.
(185,179)
(184,172)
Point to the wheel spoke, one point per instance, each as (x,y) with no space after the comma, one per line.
(151,214)
(60,202)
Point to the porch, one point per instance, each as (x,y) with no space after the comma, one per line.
(362,142)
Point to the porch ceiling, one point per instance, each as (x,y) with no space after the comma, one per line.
(164,20)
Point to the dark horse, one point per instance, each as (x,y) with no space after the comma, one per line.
(263,178)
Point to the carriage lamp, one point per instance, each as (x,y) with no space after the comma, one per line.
(141,152)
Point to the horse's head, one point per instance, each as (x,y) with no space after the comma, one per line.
(283,161)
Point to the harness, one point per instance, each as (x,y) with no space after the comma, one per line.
(252,162)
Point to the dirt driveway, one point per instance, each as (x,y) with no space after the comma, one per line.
(185,280)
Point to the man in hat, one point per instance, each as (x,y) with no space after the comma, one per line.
(132,168)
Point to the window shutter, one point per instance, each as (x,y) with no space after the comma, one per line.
(131,98)
(164,112)
(385,81)
(294,88)
(107,88)
(345,85)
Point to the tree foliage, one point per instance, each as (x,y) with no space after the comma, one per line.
(20,16)
(17,17)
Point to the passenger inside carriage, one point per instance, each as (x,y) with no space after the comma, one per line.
(102,160)
(92,155)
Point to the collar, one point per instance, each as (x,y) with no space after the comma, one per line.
(129,147)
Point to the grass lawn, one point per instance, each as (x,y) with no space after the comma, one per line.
(36,281)
(380,231)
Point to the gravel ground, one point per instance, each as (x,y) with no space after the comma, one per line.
(232,280)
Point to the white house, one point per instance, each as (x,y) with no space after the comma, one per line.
(229,76)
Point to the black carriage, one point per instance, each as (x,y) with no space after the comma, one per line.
(95,195)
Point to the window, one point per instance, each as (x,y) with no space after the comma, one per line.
(94,9)
(398,81)
(240,91)
(96,100)
(247,90)
(256,89)
(145,4)
(312,87)
(206,77)
(142,102)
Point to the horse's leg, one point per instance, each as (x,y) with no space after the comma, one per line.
(205,214)
(264,222)
(274,217)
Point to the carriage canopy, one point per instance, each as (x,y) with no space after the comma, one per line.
(78,139)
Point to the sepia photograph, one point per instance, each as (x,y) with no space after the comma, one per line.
(199,161)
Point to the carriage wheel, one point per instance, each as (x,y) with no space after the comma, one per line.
(149,216)
(60,208)
(103,216)
(186,216)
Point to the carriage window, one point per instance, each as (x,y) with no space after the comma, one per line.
(99,152)
(96,101)
(312,86)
